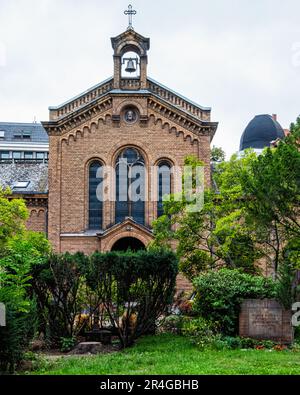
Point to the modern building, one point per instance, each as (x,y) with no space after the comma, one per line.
(23,142)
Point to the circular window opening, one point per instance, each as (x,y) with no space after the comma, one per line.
(131,115)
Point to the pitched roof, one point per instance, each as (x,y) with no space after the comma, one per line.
(35,174)
(103,88)
(35,130)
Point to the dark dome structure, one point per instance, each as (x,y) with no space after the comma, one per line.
(260,132)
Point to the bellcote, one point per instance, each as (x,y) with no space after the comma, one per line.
(130,60)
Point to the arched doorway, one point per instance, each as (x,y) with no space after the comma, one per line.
(126,243)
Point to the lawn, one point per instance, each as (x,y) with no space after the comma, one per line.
(171,354)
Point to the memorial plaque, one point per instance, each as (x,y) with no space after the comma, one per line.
(2,315)
(265,319)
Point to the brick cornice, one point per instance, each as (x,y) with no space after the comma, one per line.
(76,118)
(156,104)
(181,118)
(32,200)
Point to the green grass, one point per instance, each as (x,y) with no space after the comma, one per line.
(171,354)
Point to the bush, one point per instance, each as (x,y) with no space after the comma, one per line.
(173,324)
(297,334)
(236,342)
(15,336)
(67,343)
(220,293)
(200,331)
(56,284)
(133,284)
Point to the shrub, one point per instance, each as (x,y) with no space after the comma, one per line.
(297,334)
(133,283)
(232,342)
(21,253)
(173,324)
(220,293)
(67,343)
(15,336)
(200,331)
(56,284)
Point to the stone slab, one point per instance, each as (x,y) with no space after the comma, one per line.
(265,319)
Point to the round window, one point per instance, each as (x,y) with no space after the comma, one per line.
(130,115)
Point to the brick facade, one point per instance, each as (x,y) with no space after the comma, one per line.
(37,220)
(92,126)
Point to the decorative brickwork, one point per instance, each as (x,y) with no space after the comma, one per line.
(92,127)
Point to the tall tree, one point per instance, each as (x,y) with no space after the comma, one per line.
(272,193)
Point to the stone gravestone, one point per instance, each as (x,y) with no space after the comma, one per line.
(2,315)
(265,319)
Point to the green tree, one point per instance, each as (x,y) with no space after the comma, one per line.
(19,251)
(217,154)
(216,234)
(271,189)
(13,214)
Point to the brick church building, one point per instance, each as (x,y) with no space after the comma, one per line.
(128,117)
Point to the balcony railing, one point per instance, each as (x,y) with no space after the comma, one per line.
(23,160)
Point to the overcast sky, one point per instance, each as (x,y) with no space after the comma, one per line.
(240,57)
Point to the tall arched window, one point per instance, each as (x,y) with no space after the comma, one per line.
(164,184)
(95,195)
(130,186)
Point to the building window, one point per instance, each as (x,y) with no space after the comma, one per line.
(164,184)
(2,134)
(26,136)
(95,195)
(40,155)
(20,184)
(130,186)
(22,136)
(28,155)
(4,154)
(17,154)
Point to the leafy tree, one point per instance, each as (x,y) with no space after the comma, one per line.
(252,212)
(22,251)
(19,250)
(13,214)
(271,189)
(217,154)
(216,234)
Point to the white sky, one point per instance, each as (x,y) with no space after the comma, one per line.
(241,57)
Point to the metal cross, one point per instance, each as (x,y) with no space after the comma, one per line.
(130,12)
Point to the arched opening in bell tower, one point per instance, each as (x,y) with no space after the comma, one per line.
(130,65)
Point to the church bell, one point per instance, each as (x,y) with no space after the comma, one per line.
(130,68)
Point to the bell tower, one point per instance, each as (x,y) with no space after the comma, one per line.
(130,58)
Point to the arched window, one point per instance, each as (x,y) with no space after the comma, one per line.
(95,195)
(164,184)
(130,186)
